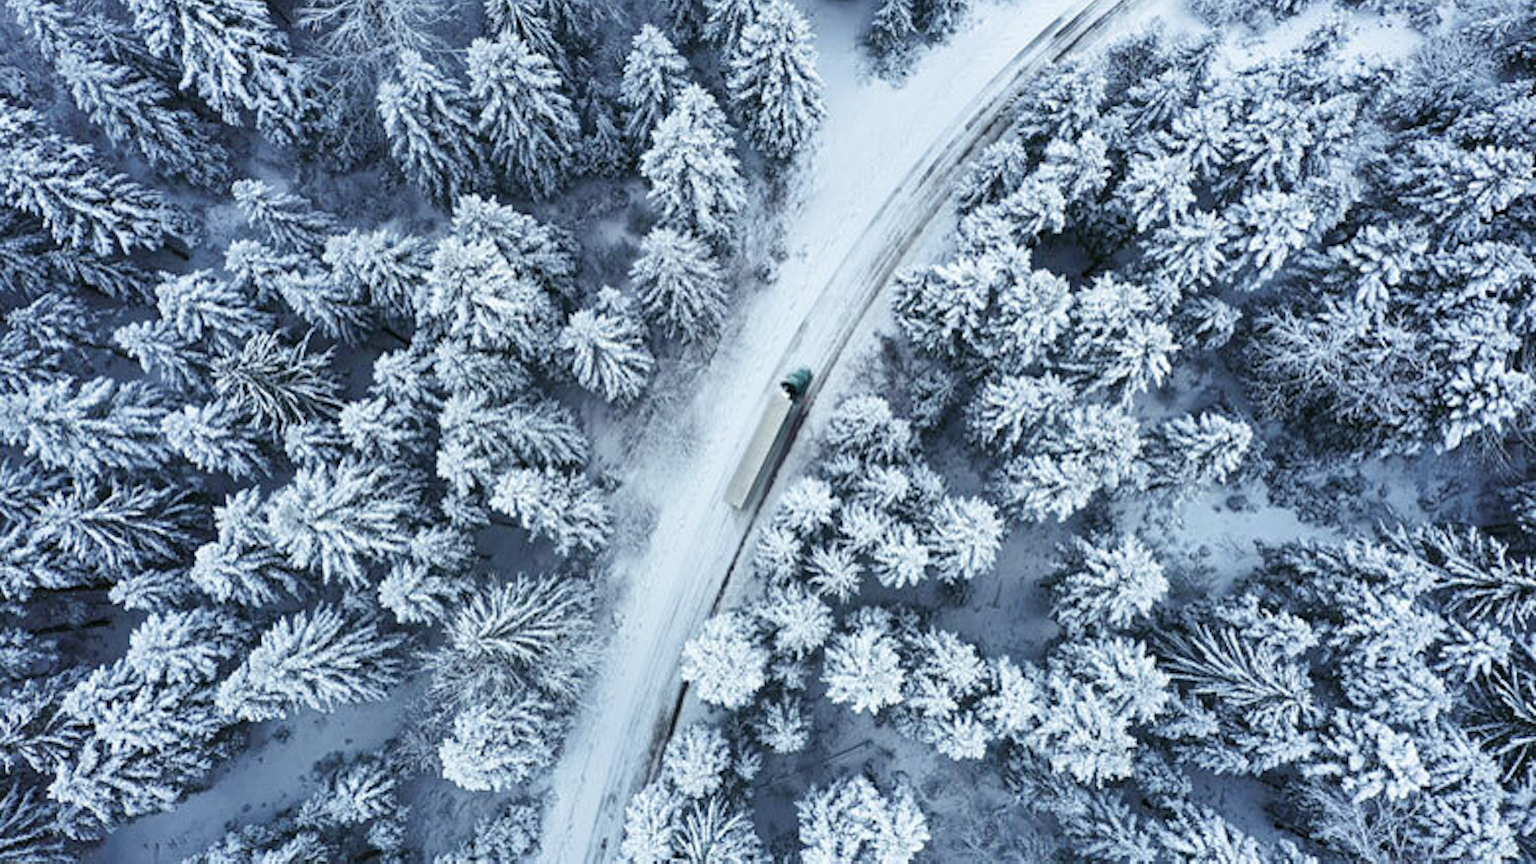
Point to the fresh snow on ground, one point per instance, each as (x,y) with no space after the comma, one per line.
(882,168)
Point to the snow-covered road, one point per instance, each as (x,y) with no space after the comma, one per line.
(887,158)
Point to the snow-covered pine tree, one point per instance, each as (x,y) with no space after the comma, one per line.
(28,826)
(496,748)
(119,92)
(335,520)
(1192,452)
(726,661)
(289,222)
(88,428)
(963,537)
(1109,586)
(428,119)
(234,56)
(482,440)
(32,264)
(82,205)
(679,285)
(216,438)
(891,32)
(509,835)
(565,508)
(174,361)
(697,760)
(850,821)
(316,659)
(242,565)
(333,306)
(724,21)
(207,311)
(381,265)
(654,73)
(862,667)
(279,385)
(525,114)
(1082,735)
(773,81)
(940,18)
(474,296)
(115,527)
(606,348)
(694,176)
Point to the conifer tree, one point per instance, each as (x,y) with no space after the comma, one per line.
(428,119)
(1106,587)
(335,520)
(694,177)
(850,821)
(333,306)
(234,56)
(482,440)
(114,527)
(964,537)
(28,832)
(863,668)
(81,204)
(1191,452)
(381,265)
(725,21)
(88,428)
(773,81)
(474,295)
(654,73)
(892,31)
(205,310)
(119,92)
(725,661)
(565,508)
(289,222)
(679,284)
(216,439)
(606,348)
(279,385)
(317,659)
(524,113)
(242,565)
(495,749)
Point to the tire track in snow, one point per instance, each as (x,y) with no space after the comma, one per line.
(593,787)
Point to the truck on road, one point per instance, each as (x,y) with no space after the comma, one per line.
(772,427)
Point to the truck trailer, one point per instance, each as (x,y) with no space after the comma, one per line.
(772,427)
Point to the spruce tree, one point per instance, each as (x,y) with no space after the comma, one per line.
(381,265)
(694,177)
(318,659)
(773,81)
(654,73)
(428,119)
(88,428)
(234,56)
(217,439)
(565,508)
(82,205)
(289,222)
(475,297)
(524,113)
(279,385)
(726,662)
(725,21)
(205,310)
(679,285)
(119,92)
(335,520)
(606,348)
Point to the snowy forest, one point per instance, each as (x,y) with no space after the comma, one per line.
(371,372)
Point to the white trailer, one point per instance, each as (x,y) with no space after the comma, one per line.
(772,426)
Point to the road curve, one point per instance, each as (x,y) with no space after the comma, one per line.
(676,581)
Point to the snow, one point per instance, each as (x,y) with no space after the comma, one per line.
(884,163)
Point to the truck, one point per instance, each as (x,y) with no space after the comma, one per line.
(772,427)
